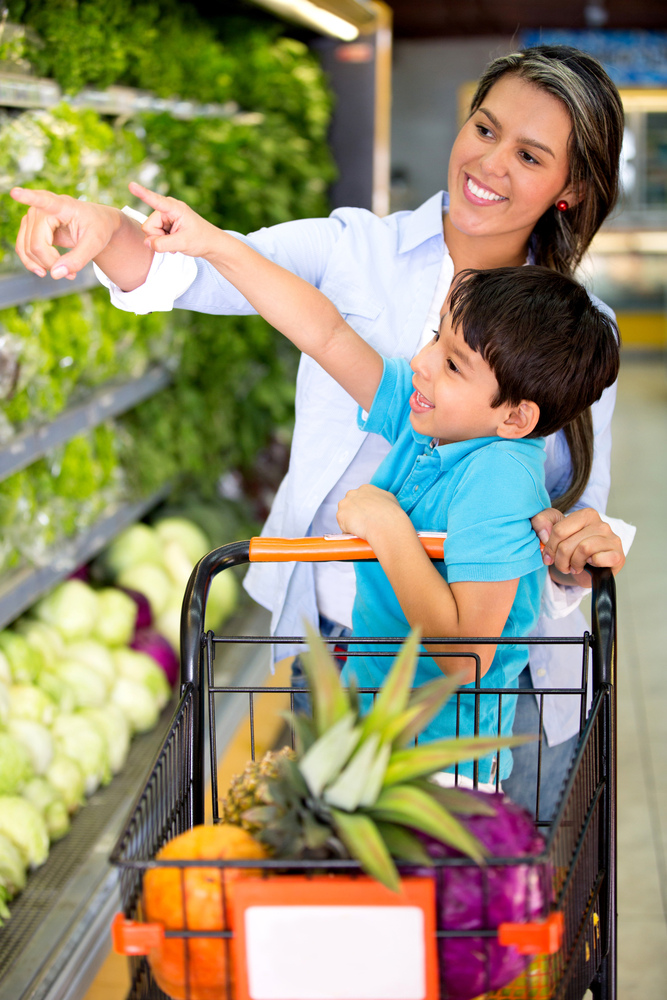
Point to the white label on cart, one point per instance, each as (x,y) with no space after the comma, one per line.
(335,952)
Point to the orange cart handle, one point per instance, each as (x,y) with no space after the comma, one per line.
(331,547)
(544,938)
(131,937)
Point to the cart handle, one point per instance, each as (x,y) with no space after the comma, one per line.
(331,547)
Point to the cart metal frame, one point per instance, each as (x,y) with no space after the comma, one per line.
(580,850)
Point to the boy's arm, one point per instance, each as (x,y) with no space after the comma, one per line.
(293,306)
(468,609)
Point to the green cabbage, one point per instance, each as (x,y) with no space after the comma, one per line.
(15,766)
(189,537)
(137,544)
(137,704)
(68,779)
(112,723)
(77,737)
(22,823)
(27,701)
(25,662)
(36,740)
(116,618)
(150,580)
(142,668)
(12,867)
(42,637)
(51,805)
(71,608)
(94,655)
(89,688)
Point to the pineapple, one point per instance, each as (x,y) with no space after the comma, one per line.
(246,789)
(357,786)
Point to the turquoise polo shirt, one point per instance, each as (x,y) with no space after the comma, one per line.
(483,493)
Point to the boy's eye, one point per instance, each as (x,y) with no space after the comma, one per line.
(452,367)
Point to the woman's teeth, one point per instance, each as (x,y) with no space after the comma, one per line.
(482,192)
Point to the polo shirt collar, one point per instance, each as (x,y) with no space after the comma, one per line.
(424,223)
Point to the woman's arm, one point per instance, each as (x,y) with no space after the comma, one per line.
(89,231)
(426,599)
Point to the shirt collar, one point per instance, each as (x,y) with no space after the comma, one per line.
(451,454)
(424,223)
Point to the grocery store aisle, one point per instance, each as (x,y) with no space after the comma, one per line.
(639,478)
(640,486)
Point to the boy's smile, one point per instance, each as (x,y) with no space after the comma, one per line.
(454,387)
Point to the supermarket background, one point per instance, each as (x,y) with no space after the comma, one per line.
(107,419)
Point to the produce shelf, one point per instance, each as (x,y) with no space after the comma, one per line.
(58,934)
(58,931)
(20,589)
(18,287)
(21,91)
(107,401)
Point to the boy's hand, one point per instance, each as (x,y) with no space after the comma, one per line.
(369,510)
(173,226)
(57,220)
(572,540)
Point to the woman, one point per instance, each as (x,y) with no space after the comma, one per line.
(532,175)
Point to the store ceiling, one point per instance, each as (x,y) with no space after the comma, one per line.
(451,18)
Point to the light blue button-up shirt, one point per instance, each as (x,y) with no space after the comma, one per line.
(381,274)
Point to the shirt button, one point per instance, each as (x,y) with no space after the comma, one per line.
(416,489)
(541,672)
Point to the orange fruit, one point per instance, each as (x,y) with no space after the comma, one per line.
(196,899)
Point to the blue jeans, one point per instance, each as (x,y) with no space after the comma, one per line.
(328,630)
(521,786)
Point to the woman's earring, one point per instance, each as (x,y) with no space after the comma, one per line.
(562,206)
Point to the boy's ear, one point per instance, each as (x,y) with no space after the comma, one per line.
(520,421)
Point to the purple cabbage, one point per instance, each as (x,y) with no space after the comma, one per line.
(144,613)
(147,640)
(481,898)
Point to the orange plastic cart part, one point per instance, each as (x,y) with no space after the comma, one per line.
(131,937)
(544,938)
(330,547)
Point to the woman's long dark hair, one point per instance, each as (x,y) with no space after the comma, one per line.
(560,239)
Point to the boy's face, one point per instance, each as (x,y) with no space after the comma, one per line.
(454,387)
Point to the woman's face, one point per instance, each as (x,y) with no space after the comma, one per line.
(509,162)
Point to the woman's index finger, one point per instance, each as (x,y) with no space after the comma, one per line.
(156,201)
(45,200)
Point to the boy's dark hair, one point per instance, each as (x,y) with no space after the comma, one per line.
(542,336)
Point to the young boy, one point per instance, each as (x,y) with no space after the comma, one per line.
(518,354)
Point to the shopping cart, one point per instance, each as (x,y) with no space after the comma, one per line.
(573,941)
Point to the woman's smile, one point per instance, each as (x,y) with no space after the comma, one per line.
(480,194)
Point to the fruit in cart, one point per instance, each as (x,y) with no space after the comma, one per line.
(471,898)
(196,898)
(355,787)
(246,790)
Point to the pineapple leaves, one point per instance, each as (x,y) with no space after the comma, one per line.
(415,762)
(425,702)
(325,758)
(403,844)
(362,839)
(330,700)
(395,691)
(414,807)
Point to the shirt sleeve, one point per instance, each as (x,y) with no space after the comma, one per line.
(489,534)
(177,281)
(389,410)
